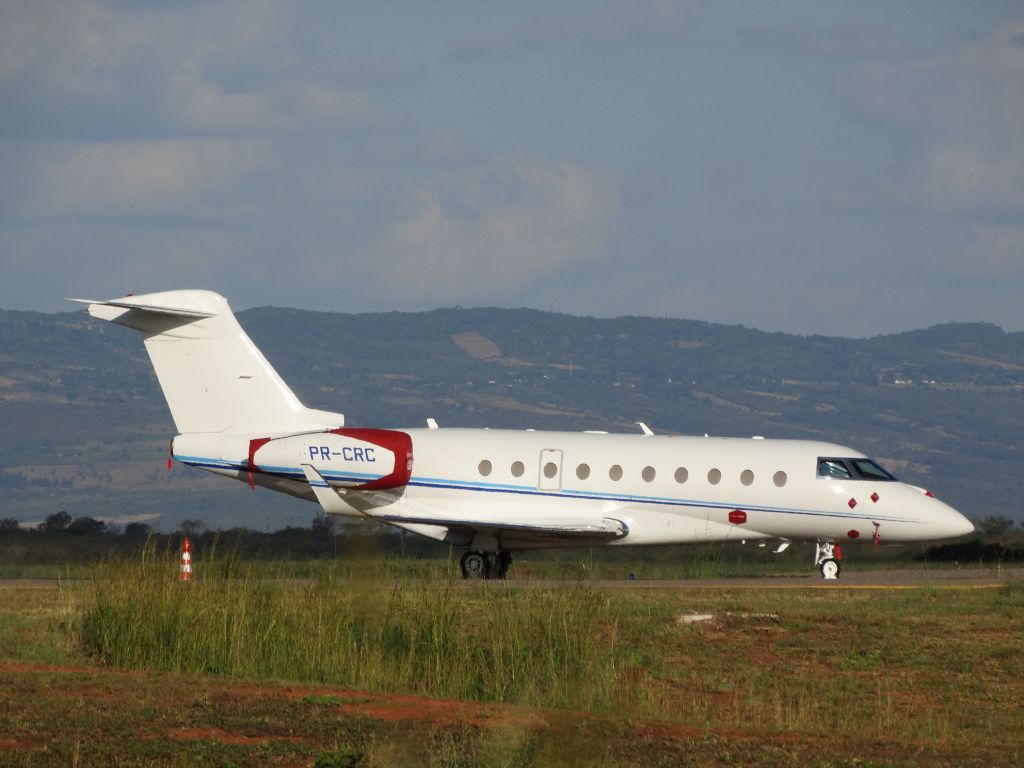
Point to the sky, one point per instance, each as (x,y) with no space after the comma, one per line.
(843,168)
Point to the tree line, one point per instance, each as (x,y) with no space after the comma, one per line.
(64,539)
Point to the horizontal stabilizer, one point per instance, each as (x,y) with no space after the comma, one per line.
(127,303)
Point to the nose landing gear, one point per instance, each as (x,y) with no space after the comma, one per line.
(485,565)
(827,556)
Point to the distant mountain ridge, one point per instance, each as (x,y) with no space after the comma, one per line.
(83,425)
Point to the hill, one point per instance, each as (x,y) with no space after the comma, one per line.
(83,425)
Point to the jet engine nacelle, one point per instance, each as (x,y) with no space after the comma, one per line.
(362,459)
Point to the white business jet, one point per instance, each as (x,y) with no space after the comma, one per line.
(495,492)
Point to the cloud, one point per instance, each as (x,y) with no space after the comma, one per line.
(96,48)
(166,69)
(996,252)
(278,107)
(956,121)
(64,47)
(206,106)
(487,231)
(322,103)
(610,29)
(832,43)
(141,177)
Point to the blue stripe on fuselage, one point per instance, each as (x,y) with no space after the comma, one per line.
(526,490)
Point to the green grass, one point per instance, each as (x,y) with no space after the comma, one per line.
(486,642)
(37,630)
(790,660)
(896,677)
(62,572)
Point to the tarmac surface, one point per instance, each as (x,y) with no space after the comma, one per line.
(973,578)
(958,578)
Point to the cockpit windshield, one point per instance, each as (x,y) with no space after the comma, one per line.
(833,468)
(853,469)
(869,470)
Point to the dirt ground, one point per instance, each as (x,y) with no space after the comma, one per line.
(83,715)
(59,713)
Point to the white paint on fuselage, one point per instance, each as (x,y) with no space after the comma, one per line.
(223,394)
(447,484)
(446,477)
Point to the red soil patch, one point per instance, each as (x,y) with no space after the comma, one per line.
(111,689)
(11,667)
(668,731)
(17,745)
(217,734)
(397,707)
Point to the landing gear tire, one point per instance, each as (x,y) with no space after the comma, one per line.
(485,565)
(827,556)
(830,569)
(474,565)
(500,562)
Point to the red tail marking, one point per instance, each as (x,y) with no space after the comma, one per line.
(255,445)
(398,443)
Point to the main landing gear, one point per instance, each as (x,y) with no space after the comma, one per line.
(827,556)
(485,565)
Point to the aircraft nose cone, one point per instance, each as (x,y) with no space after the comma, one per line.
(960,525)
(952,523)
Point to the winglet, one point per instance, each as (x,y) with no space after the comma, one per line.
(325,494)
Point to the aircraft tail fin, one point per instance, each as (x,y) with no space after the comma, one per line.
(212,375)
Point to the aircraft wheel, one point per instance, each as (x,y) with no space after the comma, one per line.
(474,565)
(499,562)
(830,568)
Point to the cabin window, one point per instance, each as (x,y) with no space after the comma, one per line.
(714,476)
(682,475)
(747,477)
(583,471)
(615,473)
(779,478)
(485,467)
(550,470)
(648,474)
(518,469)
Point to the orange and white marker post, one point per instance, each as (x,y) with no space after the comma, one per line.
(186,560)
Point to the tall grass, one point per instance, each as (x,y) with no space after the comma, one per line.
(906,664)
(550,647)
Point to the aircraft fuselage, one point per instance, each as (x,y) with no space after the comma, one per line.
(662,489)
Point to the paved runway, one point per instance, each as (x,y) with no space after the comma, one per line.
(972,578)
(960,578)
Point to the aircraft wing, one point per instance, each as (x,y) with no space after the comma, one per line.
(335,501)
(604,528)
